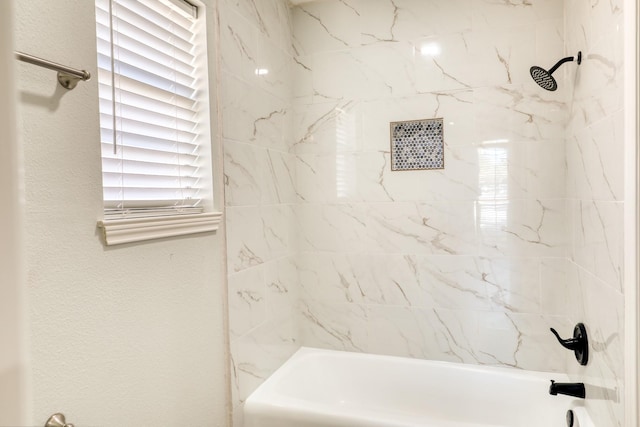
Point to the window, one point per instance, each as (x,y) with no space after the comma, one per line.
(154,119)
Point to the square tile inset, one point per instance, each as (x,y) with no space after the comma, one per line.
(417,145)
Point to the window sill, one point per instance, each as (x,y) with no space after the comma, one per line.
(119,231)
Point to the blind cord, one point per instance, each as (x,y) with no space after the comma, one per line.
(113,76)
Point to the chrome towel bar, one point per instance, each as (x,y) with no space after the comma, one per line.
(67,77)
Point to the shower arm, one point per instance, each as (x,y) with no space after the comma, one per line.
(563,60)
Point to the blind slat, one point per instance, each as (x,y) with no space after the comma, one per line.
(149,21)
(140,127)
(153,95)
(135,154)
(166,119)
(147,168)
(181,60)
(141,37)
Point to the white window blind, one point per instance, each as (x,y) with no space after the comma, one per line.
(152,121)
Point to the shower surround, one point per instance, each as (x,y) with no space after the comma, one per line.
(327,247)
(595,199)
(462,264)
(256,120)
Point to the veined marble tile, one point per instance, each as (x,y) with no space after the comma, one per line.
(238,44)
(605,18)
(289,141)
(453,282)
(522,227)
(491,14)
(328,178)
(278,230)
(334,326)
(258,354)
(577,25)
(423,333)
(274,69)
(268,120)
(545,169)
(246,246)
(598,245)
(394,280)
(325,26)
(604,314)
(340,75)
(328,127)
(458,181)
(367,176)
(400,331)
(449,335)
(252,115)
(302,74)
(331,277)
(455,107)
(530,170)
(282,287)
(278,177)
(256,176)
(604,374)
(243,171)
(513,284)
(452,335)
(360,278)
(519,340)
(378,21)
(550,43)
(237,114)
(275,21)
(388,68)
(602,309)
(501,56)
(247,301)
(442,63)
(556,288)
(333,227)
(516,113)
(594,156)
(422,228)
(267,16)
(402,20)
(599,83)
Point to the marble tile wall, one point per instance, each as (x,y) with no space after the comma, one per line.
(595,152)
(462,264)
(520,232)
(255,57)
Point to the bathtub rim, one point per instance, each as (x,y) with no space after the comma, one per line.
(259,399)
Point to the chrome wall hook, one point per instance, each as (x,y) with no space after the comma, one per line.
(57,420)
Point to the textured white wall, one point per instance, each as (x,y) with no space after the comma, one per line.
(130,335)
(12,394)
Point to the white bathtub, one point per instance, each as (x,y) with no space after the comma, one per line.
(323,388)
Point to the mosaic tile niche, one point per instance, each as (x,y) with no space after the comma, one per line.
(417,145)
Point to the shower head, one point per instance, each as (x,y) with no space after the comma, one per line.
(545,78)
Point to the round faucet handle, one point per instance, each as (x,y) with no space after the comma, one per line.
(57,420)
